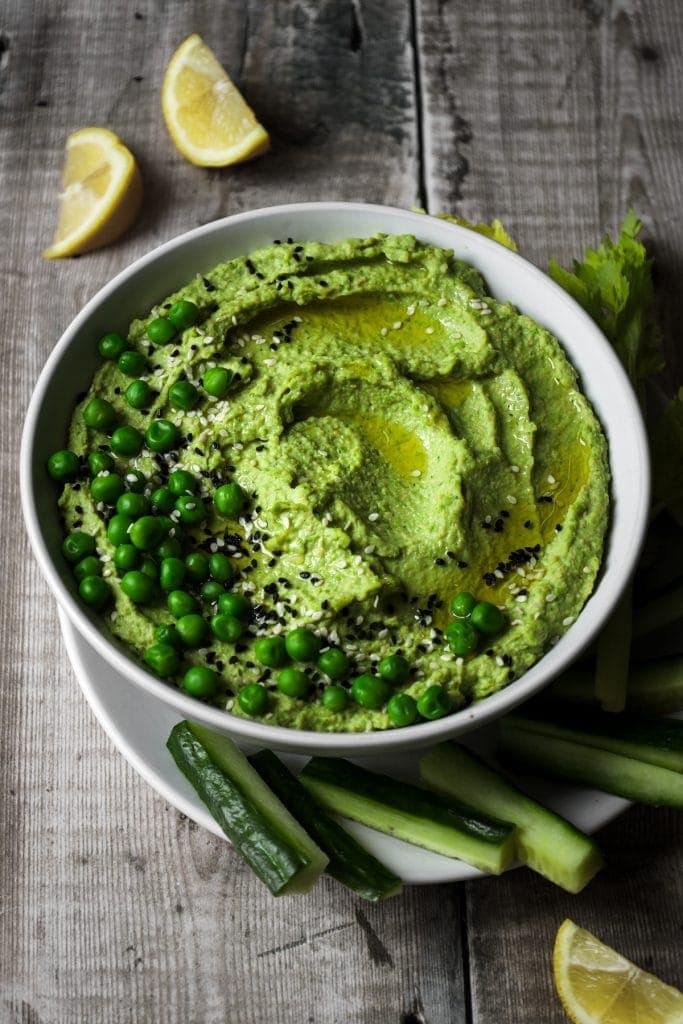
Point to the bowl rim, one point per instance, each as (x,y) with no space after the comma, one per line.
(284,737)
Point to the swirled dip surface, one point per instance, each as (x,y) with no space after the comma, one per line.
(402,437)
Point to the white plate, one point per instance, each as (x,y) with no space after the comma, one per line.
(139,724)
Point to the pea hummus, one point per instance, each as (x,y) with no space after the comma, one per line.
(400,436)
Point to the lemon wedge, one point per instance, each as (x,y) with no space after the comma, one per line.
(208,119)
(599,986)
(102,193)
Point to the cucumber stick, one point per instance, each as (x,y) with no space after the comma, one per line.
(546,842)
(656,687)
(408,812)
(557,758)
(272,842)
(657,741)
(349,863)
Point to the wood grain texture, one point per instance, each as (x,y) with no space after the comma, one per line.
(552,116)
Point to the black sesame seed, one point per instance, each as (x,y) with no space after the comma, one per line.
(558,528)
(462,565)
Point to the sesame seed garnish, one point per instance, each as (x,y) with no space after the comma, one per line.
(442,301)
(384,331)
(550,598)
(551,479)
(373,517)
(397,325)
(511,499)
(416,473)
(567,621)
(514,469)
(585,569)
(429,330)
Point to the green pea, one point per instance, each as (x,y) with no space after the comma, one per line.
(126,441)
(169,548)
(172,574)
(183,395)
(127,557)
(200,681)
(111,345)
(160,331)
(138,586)
(119,529)
(488,618)
(180,603)
(132,504)
(162,500)
(401,709)
(99,414)
(395,669)
(168,634)
(434,703)
(89,566)
(149,567)
(462,637)
(146,533)
(197,563)
(191,508)
(183,314)
(271,651)
(163,659)
(100,462)
(462,604)
(63,465)
(211,591)
(220,568)
(335,698)
(181,482)
(78,545)
(229,500)
(192,629)
(132,363)
(370,691)
(253,699)
(135,481)
(139,395)
(334,663)
(234,604)
(161,436)
(94,591)
(293,682)
(226,628)
(217,381)
(107,488)
(302,644)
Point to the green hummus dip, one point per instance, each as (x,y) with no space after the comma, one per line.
(400,436)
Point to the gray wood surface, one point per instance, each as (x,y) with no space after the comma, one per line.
(554,116)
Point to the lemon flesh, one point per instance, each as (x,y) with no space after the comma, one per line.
(599,986)
(208,119)
(101,193)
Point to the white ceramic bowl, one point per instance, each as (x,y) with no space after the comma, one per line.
(70,367)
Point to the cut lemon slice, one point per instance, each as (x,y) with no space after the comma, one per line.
(102,193)
(599,986)
(208,119)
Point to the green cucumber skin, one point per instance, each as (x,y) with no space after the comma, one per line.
(658,741)
(268,854)
(546,842)
(349,862)
(410,813)
(588,766)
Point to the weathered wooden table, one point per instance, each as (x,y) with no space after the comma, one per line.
(553,116)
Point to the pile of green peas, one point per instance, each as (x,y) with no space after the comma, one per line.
(473,619)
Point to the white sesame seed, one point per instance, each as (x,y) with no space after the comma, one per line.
(499,661)
(487,519)
(567,621)
(510,498)
(514,469)
(442,301)
(369,549)
(585,569)
(410,310)
(373,517)
(550,598)
(269,362)
(498,574)
(416,473)
(397,325)
(551,479)
(521,598)
(429,330)
(384,332)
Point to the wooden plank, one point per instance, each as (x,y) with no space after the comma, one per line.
(556,117)
(114,907)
